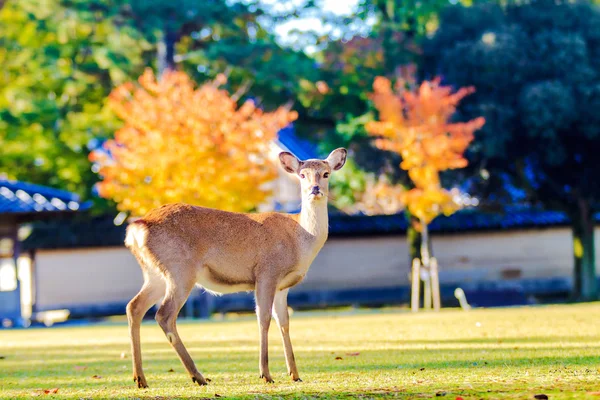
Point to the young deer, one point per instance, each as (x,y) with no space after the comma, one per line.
(179,246)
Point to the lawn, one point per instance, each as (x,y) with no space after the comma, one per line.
(514,353)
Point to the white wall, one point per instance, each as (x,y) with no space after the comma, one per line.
(105,275)
(85,277)
(536,253)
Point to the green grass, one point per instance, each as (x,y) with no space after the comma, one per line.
(501,353)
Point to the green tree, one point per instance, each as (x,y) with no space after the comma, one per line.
(349,67)
(536,66)
(61,58)
(58,65)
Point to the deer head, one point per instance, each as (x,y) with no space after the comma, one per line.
(314,174)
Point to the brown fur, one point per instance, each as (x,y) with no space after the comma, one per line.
(179,246)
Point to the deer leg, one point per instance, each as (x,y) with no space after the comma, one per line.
(265,292)
(280,310)
(166,316)
(152,290)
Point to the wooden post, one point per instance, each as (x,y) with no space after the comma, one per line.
(425,258)
(435,285)
(416,283)
(426,276)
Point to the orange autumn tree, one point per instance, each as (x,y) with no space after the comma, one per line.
(182,143)
(416,125)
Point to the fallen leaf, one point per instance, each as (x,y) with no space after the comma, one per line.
(171,370)
(97,377)
(338,358)
(217,395)
(51,391)
(352,354)
(80,367)
(440,394)
(541,397)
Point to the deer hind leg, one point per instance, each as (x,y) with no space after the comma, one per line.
(265,292)
(152,290)
(280,310)
(166,316)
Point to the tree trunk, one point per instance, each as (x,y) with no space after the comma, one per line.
(165,50)
(413,237)
(584,277)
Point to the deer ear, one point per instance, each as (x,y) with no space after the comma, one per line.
(337,158)
(289,162)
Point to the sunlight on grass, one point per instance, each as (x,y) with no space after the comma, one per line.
(501,353)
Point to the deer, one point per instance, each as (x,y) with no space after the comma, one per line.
(179,246)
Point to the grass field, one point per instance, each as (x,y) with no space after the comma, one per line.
(501,353)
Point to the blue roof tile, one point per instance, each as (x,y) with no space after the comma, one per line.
(301,148)
(25,198)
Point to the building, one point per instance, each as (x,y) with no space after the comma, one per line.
(522,257)
(20,203)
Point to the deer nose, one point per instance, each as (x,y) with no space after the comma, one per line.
(315,190)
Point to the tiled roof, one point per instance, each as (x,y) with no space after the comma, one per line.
(301,148)
(462,221)
(75,233)
(26,198)
(102,231)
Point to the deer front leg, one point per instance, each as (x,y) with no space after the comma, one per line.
(265,292)
(282,317)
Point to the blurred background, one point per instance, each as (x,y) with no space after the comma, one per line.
(473,129)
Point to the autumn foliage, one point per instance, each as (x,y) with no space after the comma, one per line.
(181,143)
(416,124)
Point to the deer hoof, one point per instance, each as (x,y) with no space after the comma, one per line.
(141,382)
(199,380)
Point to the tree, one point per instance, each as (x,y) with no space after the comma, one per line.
(61,58)
(355,191)
(537,69)
(415,123)
(186,144)
(381,38)
(58,65)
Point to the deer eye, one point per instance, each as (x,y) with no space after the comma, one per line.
(302,176)
(326,175)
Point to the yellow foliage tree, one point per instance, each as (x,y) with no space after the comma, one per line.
(180,143)
(416,124)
